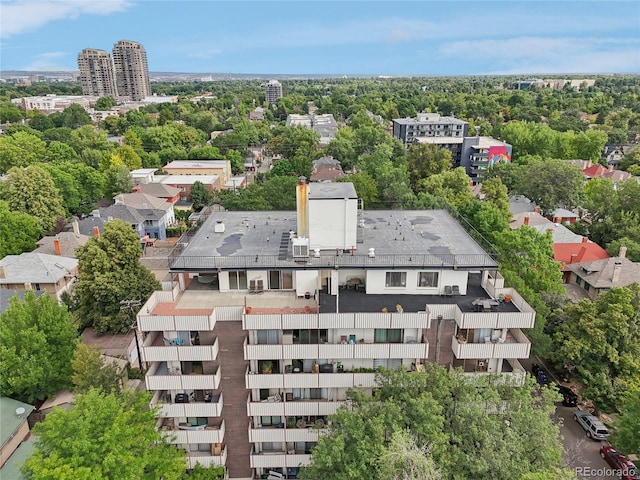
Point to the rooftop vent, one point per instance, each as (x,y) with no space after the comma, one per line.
(372,253)
(219,227)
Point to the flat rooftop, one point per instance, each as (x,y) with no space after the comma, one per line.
(252,240)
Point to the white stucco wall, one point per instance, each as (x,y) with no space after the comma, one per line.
(332,223)
(376,279)
(306,281)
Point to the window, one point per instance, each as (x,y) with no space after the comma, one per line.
(280,280)
(238,280)
(268,337)
(428,279)
(578,281)
(270,420)
(388,335)
(396,279)
(308,336)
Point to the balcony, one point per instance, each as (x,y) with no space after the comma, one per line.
(309,380)
(162,313)
(514,345)
(206,460)
(512,373)
(337,351)
(160,378)
(158,349)
(210,406)
(273,434)
(187,434)
(279,459)
(292,408)
(257,320)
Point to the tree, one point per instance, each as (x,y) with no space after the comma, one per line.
(105,103)
(365,186)
(110,272)
(425,160)
(90,370)
(19,150)
(476,429)
(32,190)
(19,231)
(86,138)
(106,436)
(496,193)
(205,153)
(61,152)
(451,185)
(599,342)
(117,180)
(75,116)
(236,160)
(404,460)
(81,186)
(627,425)
(200,196)
(212,472)
(38,340)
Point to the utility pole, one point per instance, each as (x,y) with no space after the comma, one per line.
(130,306)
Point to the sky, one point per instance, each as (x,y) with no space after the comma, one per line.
(330,37)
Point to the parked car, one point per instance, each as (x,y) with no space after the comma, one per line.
(595,429)
(541,376)
(624,467)
(569,398)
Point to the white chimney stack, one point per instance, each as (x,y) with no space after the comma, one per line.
(615,278)
(623,252)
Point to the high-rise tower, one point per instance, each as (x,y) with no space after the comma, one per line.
(273,91)
(97,75)
(132,71)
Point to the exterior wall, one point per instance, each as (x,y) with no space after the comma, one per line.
(306,281)
(332,223)
(14,442)
(376,280)
(223,173)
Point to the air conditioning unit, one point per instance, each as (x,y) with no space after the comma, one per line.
(300,246)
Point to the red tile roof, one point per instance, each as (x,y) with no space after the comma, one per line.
(595,171)
(584,252)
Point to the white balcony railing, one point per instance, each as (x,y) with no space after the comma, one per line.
(207,460)
(337,351)
(205,435)
(193,409)
(309,380)
(420,320)
(293,408)
(154,381)
(283,435)
(181,353)
(518,346)
(278,459)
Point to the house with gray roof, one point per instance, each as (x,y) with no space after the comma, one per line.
(601,275)
(53,274)
(14,427)
(63,243)
(559,233)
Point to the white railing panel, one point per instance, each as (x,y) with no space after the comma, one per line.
(263,409)
(266,435)
(336,320)
(163,382)
(202,409)
(374,350)
(263,352)
(171,410)
(336,380)
(200,382)
(208,460)
(297,460)
(230,313)
(512,350)
(159,354)
(408,350)
(447,311)
(263,380)
(299,320)
(410,320)
(329,408)
(516,320)
(267,460)
(332,351)
(196,353)
(301,435)
(364,379)
(208,435)
(373,320)
(477,320)
(192,322)
(301,380)
(300,408)
(159,323)
(471,350)
(297,351)
(260,321)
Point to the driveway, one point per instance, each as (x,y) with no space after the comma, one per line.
(580,452)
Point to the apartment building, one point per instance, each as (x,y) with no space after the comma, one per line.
(273,91)
(132,71)
(268,318)
(97,74)
(479,154)
(446,132)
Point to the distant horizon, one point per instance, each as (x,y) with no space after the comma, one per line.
(353,38)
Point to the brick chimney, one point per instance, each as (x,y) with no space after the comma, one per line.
(96,232)
(2,273)
(623,251)
(526,220)
(585,239)
(617,266)
(536,209)
(57,247)
(573,257)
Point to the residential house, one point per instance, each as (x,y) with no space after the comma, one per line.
(257,114)
(273,316)
(14,427)
(530,219)
(143,175)
(521,204)
(594,171)
(559,233)
(7,295)
(562,215)
(600,275)
(222,168)
(53,274)
(157,213)
(185,182)
(324,125)
(584,251)
(63,243)
(326,169)
(236,183)
(164,191)
(613,154)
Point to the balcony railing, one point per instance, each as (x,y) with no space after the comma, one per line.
(181,353)
(272,321)
(206,460)
(278,459)
(176,381)
(211,408)
(518,346)
(272,434)
(309,380)
(293,408)
(186,434)
(337,351)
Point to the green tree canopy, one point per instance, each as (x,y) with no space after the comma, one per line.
(90,370)
(424,160)
(32,190)
(105,103)
(19,150)
(625,432)
(599,342)
(200,196)
(110,272)
(38,340)
(111,437)
(19,231)
(473,429)
(81,186)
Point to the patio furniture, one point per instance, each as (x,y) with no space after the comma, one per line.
(448,290)
(455,289)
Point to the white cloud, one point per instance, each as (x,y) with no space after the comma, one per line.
(205,53)
(24,16)
(548,55)
(48,61)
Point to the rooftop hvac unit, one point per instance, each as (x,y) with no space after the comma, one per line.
(300,247)
(219,227)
